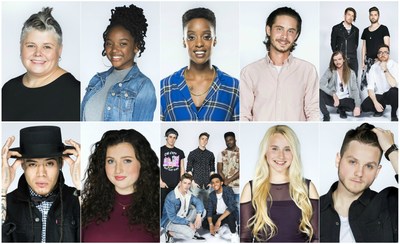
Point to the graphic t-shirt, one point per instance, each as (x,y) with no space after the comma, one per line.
(170,165)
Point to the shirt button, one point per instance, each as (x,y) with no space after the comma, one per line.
(113,94)
(337,223)
(119,84)
(37,219)
(108,108)
(126,94)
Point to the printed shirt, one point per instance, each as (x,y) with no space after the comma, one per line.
(230,164)
(290,95)
(201,163)
(44,208)
(220,104)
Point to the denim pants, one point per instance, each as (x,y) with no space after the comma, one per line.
(184,231)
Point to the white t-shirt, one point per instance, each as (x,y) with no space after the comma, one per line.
(346,235)
(185,202)
(221,206)
(376,77)
(341,94)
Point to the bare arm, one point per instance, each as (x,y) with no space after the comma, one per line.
(377,105)
(386,140)
(182,166)
(386,40)
(363,52)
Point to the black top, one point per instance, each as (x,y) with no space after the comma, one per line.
(201,164)
(343,41)
(171,165)
(373,217)
(374,39)
(24,222)
(57,101)
(284,213)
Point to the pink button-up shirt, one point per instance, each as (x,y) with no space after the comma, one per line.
(290,95)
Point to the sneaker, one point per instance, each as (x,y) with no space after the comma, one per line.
(395,118)
(342,114)
(223,230)
(378,114)
(326,118)
(169,238)
(235,238)
(198,237)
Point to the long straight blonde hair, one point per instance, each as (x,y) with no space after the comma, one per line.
(261,221)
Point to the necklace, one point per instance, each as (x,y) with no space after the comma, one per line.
(123,205)
(191,87)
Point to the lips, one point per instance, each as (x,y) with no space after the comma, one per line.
(38,61)
(119,178)
(41,184)
(280,163)
(200,54)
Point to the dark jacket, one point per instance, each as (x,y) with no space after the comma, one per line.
(24,222)
(229,199)
(373,217)
(342,41)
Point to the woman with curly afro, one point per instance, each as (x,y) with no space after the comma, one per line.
(122,93)
(120,199)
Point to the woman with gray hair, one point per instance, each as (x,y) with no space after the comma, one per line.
(46,92)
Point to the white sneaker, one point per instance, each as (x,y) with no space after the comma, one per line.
(223,230)
(235,238)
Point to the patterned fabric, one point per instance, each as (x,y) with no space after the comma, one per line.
(368,63)
(44,208)
(201,163)
(230,164)
(221,103)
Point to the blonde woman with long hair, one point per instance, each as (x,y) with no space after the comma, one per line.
(279,205)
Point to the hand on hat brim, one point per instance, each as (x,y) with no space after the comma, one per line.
(74,166)
(8,172)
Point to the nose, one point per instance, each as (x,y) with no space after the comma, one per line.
(281,154)
(118,168)
(358,171)
(37,52)
(41,170)
(199,42)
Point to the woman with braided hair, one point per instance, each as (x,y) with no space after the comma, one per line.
(121,93)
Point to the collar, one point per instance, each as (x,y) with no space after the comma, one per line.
(133,72)
(178,194)
(288,61)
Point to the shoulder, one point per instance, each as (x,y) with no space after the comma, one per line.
(14,82)
(70,78)
(175,77)
(255,65)
(226,79)
(312,191)
(246,193)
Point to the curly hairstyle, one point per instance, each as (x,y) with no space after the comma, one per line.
(133,20)
(98,195)
(261,221)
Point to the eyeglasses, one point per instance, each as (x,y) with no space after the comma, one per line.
(383,52)
(341,87)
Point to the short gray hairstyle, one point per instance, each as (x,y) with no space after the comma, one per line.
(42,21)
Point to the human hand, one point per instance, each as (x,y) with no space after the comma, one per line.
(191,225)
(217,225)
(212,229)
(385,138)
(378,107)
(74,166)
(163,184)
(383,65)
(194,184)
(356,111)
(7,171)
(335,100)
(197,222)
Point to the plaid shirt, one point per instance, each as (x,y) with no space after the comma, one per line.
(221,103)
(44,208)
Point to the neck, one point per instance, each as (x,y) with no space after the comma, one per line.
(343,198)
(375,25)
(219,190)
(31,80)
(202,148)
(231,148)
(278,177)
(169,146)
(199,70)
(278,58)
(347,24)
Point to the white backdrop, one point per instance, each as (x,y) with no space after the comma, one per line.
(330,140)
(94,20)
(253,16)
(68,131)
(332,13)
(252,134)
(15,13)
(225,54)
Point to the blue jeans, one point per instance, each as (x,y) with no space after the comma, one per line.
(184,231)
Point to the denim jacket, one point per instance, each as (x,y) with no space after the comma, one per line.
(229,199)
(171,208)
(133,99)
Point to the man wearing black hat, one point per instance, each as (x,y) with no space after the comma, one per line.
(172,164)
(42,208)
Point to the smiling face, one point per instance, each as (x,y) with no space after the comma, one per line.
(41,174)
(40,52)
(122,167)
(199,39)
(216,184)
(120,48)
(358,167)
(283,33)
(279,154)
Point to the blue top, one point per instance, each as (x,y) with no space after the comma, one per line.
(171,208)
(221,103)
(132,99)
(229,199)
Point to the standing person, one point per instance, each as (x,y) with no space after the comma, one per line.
(382,85)
(280,86)
(46,92)
(172,164)
(120,200)
(42,208)
(221,209)
(201,164)
(182,213)
(372,37)
(279,205)
(122,93)
(351,211)
(228,164)
(338,88)
(344,38)
(199,91)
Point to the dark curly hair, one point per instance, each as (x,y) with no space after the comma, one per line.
(98,195)
(133,20)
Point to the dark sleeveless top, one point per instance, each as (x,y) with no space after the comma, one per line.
(285,215)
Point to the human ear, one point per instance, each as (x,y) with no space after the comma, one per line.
(337,161)
(215,42)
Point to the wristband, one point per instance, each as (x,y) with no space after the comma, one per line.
(390,150)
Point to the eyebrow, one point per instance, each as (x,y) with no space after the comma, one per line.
(356,159)
(32,160)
